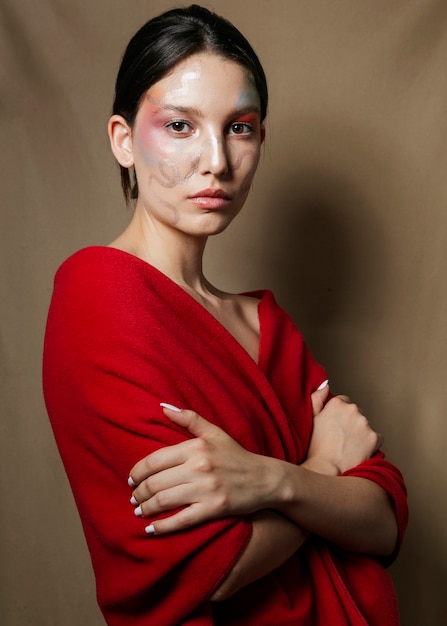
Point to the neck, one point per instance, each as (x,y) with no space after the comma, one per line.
(178,255)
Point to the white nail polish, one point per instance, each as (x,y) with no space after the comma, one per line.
(130,482)
(150,529)
(133,501)
(171,407)
(138,511)
(323,385)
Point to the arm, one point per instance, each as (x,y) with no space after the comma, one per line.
(216,477)
(354,513)
(273,541)
(103,374)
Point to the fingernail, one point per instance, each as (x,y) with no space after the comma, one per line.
(150,530)
(133,501)
(138,511)
(130,482)
(171,407)
(323,385)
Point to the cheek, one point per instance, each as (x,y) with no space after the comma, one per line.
(245,161)
(152,142)
(245,166)
(158,149)
(168,163)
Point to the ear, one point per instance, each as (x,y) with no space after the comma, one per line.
(120,136)
(262,133)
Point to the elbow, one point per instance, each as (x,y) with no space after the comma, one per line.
(386,538)
(390,539)
(224,591)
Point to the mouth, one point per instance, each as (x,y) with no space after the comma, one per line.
(211,198)
(211,193)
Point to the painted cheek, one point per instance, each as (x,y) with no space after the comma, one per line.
(152,138)
(171,161)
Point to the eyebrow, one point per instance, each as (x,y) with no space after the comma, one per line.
(186,110)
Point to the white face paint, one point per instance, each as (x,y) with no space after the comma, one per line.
(187,79)
(196,144)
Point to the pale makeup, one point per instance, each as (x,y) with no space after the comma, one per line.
(197,129)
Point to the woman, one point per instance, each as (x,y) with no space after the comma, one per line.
(241,513)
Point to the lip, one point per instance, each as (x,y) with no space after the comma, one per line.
(211,198)
(211,193)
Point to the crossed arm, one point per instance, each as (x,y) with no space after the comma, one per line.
(212,476)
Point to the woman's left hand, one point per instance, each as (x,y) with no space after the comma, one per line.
(211,476)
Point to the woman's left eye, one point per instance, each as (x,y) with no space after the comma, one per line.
(240,128)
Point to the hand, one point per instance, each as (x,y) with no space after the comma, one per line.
(342,437)
(210,476)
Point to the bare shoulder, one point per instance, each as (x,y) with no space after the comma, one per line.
(249,308)
(243,309)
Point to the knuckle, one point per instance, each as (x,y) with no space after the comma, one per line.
(148,487)
(200,445)
(340,402)
(148,464)
(222,503)
(376,439)
(161,499)
(353,408)
(342,399)
(203,465)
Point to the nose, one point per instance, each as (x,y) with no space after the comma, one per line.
(214,158)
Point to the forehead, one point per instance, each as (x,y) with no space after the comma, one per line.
(207,79)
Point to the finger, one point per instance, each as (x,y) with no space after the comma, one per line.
(159,482)
(319,398)
(176,497)
(186,518)
(193,422)
(346,399)
(160,460)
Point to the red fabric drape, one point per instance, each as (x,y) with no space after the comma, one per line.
(121,338)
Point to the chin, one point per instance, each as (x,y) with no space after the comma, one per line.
(215,224)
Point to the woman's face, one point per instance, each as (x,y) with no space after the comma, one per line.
(196,144)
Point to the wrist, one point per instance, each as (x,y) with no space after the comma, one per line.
(321,466)
(287,485)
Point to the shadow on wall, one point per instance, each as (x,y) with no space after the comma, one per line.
(330,255)
(327,254)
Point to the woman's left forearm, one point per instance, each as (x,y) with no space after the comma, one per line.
(353,513)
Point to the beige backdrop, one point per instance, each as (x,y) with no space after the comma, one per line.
(347,224)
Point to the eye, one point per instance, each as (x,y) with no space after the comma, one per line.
(240,128)
(179,127)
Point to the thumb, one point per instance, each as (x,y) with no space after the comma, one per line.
(319,398)
(197,425)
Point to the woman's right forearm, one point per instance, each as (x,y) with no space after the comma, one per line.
(273,541)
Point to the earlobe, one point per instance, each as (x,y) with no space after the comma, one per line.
(120,136)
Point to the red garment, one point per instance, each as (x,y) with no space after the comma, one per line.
(121,338)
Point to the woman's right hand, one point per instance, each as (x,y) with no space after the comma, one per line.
(342,437)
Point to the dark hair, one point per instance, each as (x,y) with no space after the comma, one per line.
(163,42)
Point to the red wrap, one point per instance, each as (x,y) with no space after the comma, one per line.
(121,338)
